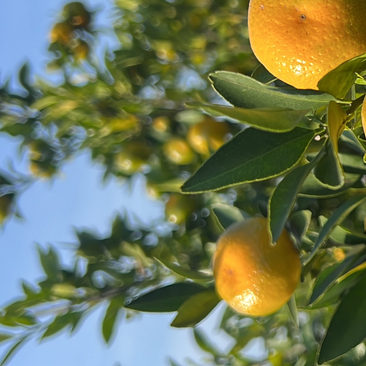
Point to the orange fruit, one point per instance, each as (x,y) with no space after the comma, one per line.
(133,158)
(178,208)
(81,51)
(253,276)
(207,136)
(299,41)
(178,151)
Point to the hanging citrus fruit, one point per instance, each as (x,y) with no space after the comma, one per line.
(207,136)
(178,151)
(299,41)
(253,276)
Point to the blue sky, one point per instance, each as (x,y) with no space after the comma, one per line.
(75,199)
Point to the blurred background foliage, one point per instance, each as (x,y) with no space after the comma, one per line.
(127,107)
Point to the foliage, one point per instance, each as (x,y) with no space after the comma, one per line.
(295,156)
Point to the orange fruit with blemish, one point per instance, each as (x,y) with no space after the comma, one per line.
(299,41)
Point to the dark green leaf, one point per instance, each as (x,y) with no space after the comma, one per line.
(50,263)
(262,75)
(195,309)
(203,342)
(343,235)
(12,350)
(313,188)
(275,120)
(110,317)
(228,215)
(60,322)
(284,197)
(293,310)
(166,299)
(353,163)
(250,156)
(340,80)
(246,92)
(186,272)
(299,223)
(337,217)
(348,325)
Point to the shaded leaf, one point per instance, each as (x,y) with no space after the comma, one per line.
(250,156)
(299,223)
(340,80)
(186,272)
(284,197)
(166,299)
(5,337)
(339,338)
(203,342)
(228,215)
(247,334)
(246,92)
(337,217)
(195,309)
(293,310)
(110,317)
(60,322)
(262,75)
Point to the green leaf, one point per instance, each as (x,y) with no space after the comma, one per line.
(337,218)
(246,92)
(313,188)
(50,263)
(251,156)
(343,235)
(203,342)
(329,275)
(166,299)
(275,120)
(195,309)
(353,163)
(186,272)
(110,317)
(12,350)
(340,80)
(348,325)
(262,75)
(228,215)
(284,197)
(60,322)
(299,223)
(5,337)
(329,170)
(293,310)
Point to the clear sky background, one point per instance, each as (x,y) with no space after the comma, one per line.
(77,198)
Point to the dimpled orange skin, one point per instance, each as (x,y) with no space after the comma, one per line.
(254,277)
(299,41)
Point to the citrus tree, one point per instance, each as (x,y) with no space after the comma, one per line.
(273,172)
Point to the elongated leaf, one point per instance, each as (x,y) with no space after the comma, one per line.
(60,322)
(329,170)
(329,275)
(300,222)
(348,136)
(348,325)
(203,342)
(275,120)
(166,299)
(340,80)
(247,334)
(12,350)
(196,309)
(186,272)
(293,310)
(341,285)
(312,187)
(337,217)
(228,215)
(284,197)
(250,156)
(353,163)
(246,92)
(110,317)
(343,235)
(5,337)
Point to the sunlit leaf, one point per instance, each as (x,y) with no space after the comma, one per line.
(250,156)
(195,309)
